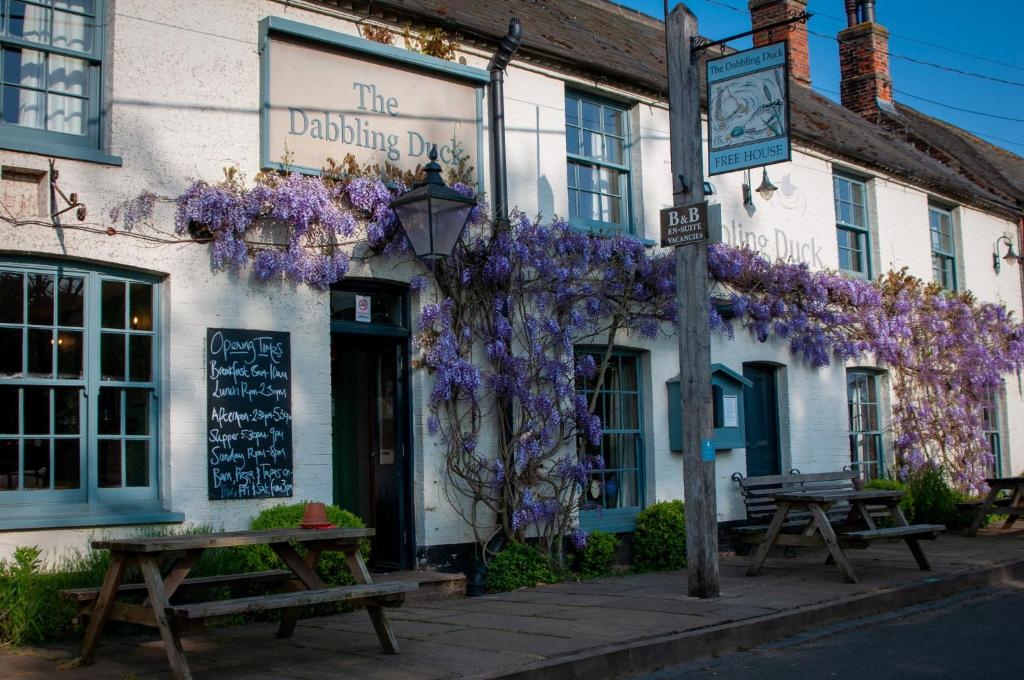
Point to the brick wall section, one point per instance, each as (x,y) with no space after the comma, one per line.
(864,67)
(764,12)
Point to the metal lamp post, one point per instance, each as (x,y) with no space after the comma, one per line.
(433,215)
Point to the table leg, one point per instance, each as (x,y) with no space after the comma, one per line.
(388,641)
(168,630)
(765,546)
(309,578)
(177,573)
(982,512)
(1017,502)
(915,546)
(104,604)
(832,542)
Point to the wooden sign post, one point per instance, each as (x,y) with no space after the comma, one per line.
(692,295)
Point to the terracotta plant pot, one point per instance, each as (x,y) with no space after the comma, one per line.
(315,517)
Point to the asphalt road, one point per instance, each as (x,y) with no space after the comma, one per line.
(977,634)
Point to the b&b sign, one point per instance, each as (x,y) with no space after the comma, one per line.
(684,224)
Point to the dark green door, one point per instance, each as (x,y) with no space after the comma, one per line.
(369,439)
(761,406)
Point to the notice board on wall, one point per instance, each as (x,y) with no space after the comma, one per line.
(249,414)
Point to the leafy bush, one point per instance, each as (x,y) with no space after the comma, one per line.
(518,566)
(596,558)
(659,542)
(332,567)
(934,500)
(906,503)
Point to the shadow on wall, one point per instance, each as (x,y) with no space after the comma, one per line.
(545,198)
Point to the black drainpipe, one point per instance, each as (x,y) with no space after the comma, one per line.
(496,98)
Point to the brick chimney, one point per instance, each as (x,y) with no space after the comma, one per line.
(764,12)
(866,87)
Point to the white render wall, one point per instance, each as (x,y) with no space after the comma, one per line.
(184,79)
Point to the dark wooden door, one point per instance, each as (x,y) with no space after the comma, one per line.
(761,406)
(369,439)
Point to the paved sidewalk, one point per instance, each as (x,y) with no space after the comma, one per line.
(595,629)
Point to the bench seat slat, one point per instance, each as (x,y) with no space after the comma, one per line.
(254,578)
(243,605)
(919,530)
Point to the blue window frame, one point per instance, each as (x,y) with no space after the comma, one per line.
(597,146)
(615,495)
(993,433)
(78,391)
(866,448)
(852,229)
(51,68)
(940,223)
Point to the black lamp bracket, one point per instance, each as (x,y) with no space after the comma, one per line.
(71,201)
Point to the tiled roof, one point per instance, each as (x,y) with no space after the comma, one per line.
(608,43)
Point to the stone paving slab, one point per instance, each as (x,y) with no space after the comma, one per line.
(592,629)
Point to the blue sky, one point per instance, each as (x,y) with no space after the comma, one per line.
(984,37)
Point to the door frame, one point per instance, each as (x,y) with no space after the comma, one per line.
(403,338)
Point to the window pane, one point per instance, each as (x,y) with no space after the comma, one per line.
(110,410)
(572,116)
(591,116)
(8,409)
(108,464)
(613,124)
(37,410)
(80,6)
(574,209)
(136,463)
(587,175)
(572,140)
(24,107)
(66,114)
(8,464)
(142,306)
(69,355)
(136,416)
(67,75)
(67,464)
(29,22)
(40,353)
(593,145)
(36,472)
(10,352)
(140,355)
(11,297)
(113,304)
(24,67)
(70,300)
(66,410)
(615,149)
(72,31)
(40,299)
(611,209)
(112,356)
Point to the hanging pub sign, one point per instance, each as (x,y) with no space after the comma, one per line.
(249,414)
(748,109)
(327,95)
(684,224)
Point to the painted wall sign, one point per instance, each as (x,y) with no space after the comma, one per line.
(248,404)
(748,109)
(323,100)
(684,224)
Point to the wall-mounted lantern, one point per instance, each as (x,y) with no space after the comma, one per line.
(767,189)
(1010,257)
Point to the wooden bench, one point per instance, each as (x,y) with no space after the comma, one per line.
(759,492)
(928,532)
(84,597)
(1011,506)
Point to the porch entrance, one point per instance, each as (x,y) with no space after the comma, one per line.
(369,377)
(761,409)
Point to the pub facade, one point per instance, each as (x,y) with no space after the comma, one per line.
(119,346)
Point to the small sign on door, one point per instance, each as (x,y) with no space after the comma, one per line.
(363,308)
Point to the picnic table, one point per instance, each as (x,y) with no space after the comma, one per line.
(165,562)
(858,531)
(1012,506)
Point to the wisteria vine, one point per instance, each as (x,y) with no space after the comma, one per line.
(512,304)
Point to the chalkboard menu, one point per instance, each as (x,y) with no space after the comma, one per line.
(249,407)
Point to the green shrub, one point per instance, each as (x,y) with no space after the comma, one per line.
(906,503)
(935,501)
(598,556)
(518,566)
(332,567)
(659,542)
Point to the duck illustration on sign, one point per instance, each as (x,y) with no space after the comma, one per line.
(748,112)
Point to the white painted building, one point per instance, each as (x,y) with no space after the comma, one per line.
(130,96)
